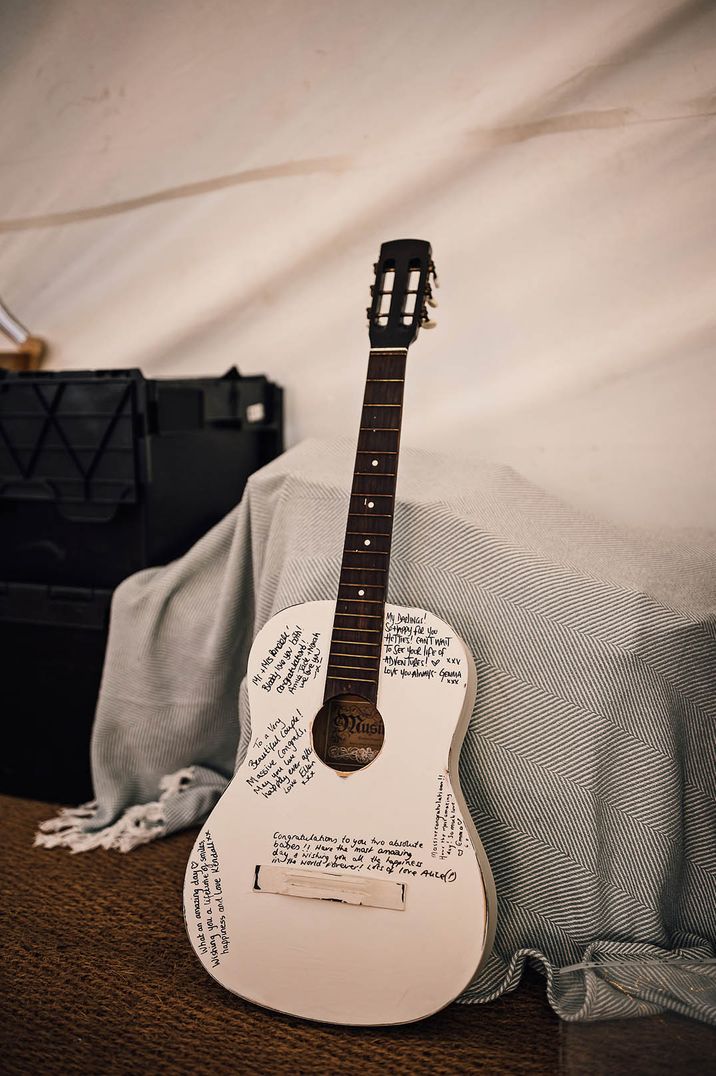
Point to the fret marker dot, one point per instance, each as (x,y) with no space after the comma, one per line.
(374,463)
(371,504)
(361,593)
(367,541)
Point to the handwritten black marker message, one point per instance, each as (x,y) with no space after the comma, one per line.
(292,660)
(417,651)
(282,758)
(449,829)
(401,857)
(208,916)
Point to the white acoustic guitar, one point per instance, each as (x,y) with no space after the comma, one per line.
(340,877)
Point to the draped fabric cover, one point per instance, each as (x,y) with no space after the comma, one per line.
(189,184)
(589,762)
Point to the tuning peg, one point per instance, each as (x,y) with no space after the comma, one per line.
(429,296)
(372,289)
(433,273)
(368,310)
(425,322)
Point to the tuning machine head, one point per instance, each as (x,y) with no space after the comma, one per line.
(429,297)
(425,320)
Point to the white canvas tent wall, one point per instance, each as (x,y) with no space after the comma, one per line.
(189,184)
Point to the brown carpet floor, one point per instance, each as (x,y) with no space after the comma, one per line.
(97,977)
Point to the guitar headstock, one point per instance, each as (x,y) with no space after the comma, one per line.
(401,293)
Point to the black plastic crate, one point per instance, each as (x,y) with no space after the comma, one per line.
(103,473)
(52,643)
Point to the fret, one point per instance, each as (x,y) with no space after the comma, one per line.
(342,654)
(360,616)
(354,668)
(371,601)
(361,631)
(350,679)
(362,601)
(382,552)
(379,533)
(355,568)
(373,515)
(352,642)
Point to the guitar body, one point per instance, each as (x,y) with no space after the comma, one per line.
(355,898)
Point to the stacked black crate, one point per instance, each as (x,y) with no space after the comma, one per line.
(102,473)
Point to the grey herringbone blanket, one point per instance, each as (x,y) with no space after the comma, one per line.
(590,759)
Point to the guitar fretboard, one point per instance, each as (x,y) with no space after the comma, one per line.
(354,662)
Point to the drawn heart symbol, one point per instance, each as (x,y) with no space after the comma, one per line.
(436,661)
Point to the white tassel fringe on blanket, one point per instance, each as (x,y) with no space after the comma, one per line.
(138,825)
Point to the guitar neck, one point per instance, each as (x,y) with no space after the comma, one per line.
(354,662)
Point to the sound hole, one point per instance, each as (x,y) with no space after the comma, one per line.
(348,733)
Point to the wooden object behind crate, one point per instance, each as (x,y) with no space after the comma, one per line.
(28,356)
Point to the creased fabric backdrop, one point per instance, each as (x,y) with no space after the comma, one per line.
(189,184)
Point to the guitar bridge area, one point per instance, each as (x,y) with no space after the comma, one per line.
(330,885)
